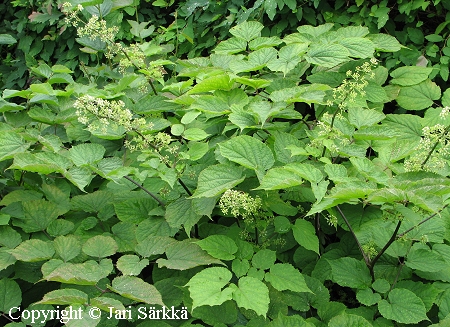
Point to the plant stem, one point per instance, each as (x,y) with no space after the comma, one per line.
(366,258)
(420,223)
(146,191)
(433,148)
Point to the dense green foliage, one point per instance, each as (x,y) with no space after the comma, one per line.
(291,173)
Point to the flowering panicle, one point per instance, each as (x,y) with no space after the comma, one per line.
(239,203)
(433,150)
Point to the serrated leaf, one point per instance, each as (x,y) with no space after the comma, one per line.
(327,55)
(411,75)
(130,264)
(86,273)
(67,247)
(360,117)
(136,289)
(349,320)
(424,259)
(247,31)
(153,245)
(106,303)
(206,286)
(33,250)
(185,255)
(358,47)
(264,259)
(283,276)
(403,306)
(219,82)
(216,179)
(279,178)
(231,46)
(134,210)
(79,176)
(65,296)
(7,39)
(87,153)
(10,144)
(419,96)
(350,272)
(181,213)
(10,294)
(367,297)
(305,235)
(384,42)
(195,134)
(306,171)
(248,152)
(6,259)
(252,294)
(219,246)
(100,246)
(288,57)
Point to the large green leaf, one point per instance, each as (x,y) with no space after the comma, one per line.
(288,57)
(384,42)
(247,30)
(38,215)
(358,47)
(10,294)
(136,289)
(185,255)
(328,55)
(182,213)
(419,96)
(350,272)
(34,250)
(206,287)
(216,179)
(359,117)
(403,306)
(100,246)
(346,319)
(422,258)
(248,152)
(130,264)
(283,276)
(86,153)
(153,245)
(65,296)
(10,144)
(252,294)
(279,178)
(411,75)
(305,235)
(86,273)
(67,247)
(134,210)
(219,246)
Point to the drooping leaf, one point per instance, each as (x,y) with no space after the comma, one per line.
(305,235)
(248,152)
(403,306)
(206,287)
(252,294)
(136,289)
(65,296)
(219,246)
(185,255)
(283,276)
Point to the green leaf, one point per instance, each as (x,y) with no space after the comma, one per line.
(256,61)
(65,296)
(358,47)
(79,176)
(106,303)
(248,152)
(423,259)
(7,39)
(420,96)
(130,264)
(153,245)
(252,294)
(359,117)
(306,171)
(231,46)
(412,75)
(181,213)
(6,259)
(38,215)
(195,134)
(381,285)
(219,246)
(270,7)
(136,289)
(403,307)
(10,294)
(185,255)
(215,180)
(134,210)
(219,82)
(264,259)
(86,153)
(349,320)
(288,57)
(206,286)
(305,235)
(9,106)
(279,178)
(283,276)
(384,42)
(247,31)
(350,272)
(10,144)
(86,273)
(367,297)
(67,247)
(33,250)
(328,56)
(100,246)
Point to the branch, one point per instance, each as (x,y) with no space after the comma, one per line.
(423,221)
(366,258)
(146,191)
(388,244)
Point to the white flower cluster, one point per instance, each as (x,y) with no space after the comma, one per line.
(239,203)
